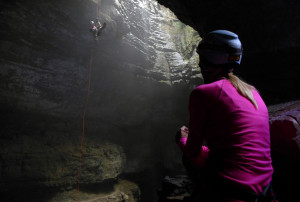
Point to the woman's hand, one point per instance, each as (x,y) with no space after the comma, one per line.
(184,132)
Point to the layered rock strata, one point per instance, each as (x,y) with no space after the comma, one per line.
(127,85)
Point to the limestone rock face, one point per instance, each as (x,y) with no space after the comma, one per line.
(138,71)
(127,85)
(123,190)
(49,166)
(153,32)
(47,48)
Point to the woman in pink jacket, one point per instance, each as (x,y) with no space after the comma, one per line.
(232,119)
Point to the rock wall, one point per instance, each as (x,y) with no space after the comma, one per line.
(130,84)
(46,50)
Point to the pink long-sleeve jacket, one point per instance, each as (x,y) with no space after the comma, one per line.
(236,133)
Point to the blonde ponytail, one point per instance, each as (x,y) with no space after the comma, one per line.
(243,88)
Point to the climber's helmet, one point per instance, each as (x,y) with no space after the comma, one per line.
(92,22)
(220,47)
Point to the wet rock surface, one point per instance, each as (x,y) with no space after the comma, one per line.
(35,162)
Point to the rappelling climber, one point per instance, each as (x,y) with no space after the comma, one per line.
(96,27)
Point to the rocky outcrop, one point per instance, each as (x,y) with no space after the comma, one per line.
(122,190)
(48,164)
(167,60)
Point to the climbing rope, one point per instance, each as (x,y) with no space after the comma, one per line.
(83,120)
(97,14)
(84,113)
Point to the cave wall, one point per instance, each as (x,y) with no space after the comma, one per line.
(269,31)
(132,83)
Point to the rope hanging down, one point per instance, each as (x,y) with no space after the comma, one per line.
(84,113)
(83,119)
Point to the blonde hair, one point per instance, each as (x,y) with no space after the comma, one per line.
(243,88)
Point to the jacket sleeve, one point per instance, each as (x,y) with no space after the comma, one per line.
(192,146)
